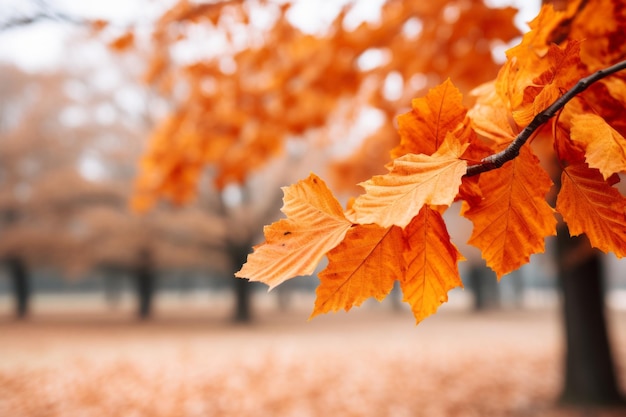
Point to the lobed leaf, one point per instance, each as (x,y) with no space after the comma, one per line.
(424,128)
(590,205)
(431,264)
(561,74)
(364,265)
(294,246)
(605,147)
(490,117)
(414,180)
(513,217)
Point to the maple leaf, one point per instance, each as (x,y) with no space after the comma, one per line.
(424,128)
(414,180)
(589,204)
(605,147)
(512,219)
(364,265)
(431,264)
(314,225)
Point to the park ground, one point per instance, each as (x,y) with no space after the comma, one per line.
(71,359)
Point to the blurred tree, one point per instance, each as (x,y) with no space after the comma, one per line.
(145,281)
(21,284)
(14,15)
(589,368)
(68,145)
(268,85)
(265,88)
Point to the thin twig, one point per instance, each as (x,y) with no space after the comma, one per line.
(512,151)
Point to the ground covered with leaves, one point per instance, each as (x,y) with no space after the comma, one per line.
(371,362)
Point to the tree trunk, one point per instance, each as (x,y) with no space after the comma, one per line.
(396,297)
(145,293)
(21,286)
(242,287)
(243,309)
(484,285)
(145,284)
(589,369)
(113,289)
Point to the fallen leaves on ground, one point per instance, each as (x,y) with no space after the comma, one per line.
(372,362)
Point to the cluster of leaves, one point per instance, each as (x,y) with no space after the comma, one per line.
(394,231)
(268,83)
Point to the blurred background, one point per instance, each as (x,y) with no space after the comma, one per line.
(143,145)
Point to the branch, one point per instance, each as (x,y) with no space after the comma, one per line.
(512,151)
(38,17)
(44,12)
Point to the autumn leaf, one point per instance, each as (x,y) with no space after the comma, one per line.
(123,42)
(245,103)
(512,219)
(364,265)
(431,264)
(394,231)
(564,148)
(589,204)
(605,148)
(424,128)
(536,62)
(490,117)
(601,24)
(561,74)
(543,32)
(414,180)
(294,246)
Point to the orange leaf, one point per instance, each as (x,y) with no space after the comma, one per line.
(364,265)
(513,218)
(414,180)
(431,261)
(601,24)
(123,43)
(490,116)
(98,24)
(543,29)
(590,205)
(423,129)
(294,246)
(560,75)
(605,146)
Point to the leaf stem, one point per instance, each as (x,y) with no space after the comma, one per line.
(496,160)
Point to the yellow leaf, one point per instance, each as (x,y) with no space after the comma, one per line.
(414,180)
(364,265)
(605,147)
(431,262)
(590,205)
(513,217)
(294,246)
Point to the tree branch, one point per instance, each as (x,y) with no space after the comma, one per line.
(38,17)
(44,12)
(512,151)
